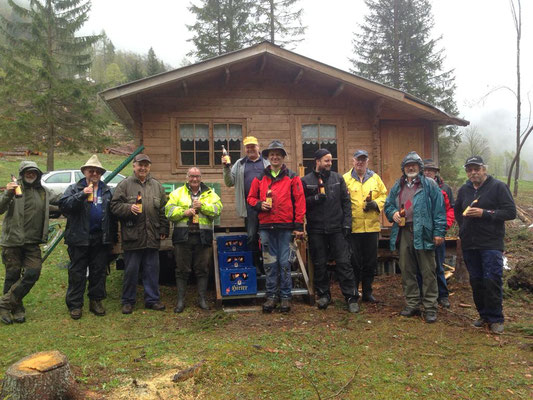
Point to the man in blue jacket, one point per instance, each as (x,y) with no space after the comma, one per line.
(416,206)
(483,205)
(90,231)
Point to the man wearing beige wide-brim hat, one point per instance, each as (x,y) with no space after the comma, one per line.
(89,234)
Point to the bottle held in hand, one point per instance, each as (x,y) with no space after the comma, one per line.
(18,190)
(226,159)
(90,196)
(268,198)
(367,200)
(470,206)
(139,202)
(321,188)
(402,216)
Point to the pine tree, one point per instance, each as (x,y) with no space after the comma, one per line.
(221,26)
(134,73)
(395,47)
(153,65)
(276,21)
(51,101)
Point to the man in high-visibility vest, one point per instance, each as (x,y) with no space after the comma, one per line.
(192,208)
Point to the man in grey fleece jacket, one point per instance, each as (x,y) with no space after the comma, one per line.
(241,175)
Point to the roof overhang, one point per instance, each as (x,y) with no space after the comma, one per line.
(115,97)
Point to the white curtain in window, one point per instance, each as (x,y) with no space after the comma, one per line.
(312,133)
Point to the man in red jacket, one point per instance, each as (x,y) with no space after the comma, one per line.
(279,199)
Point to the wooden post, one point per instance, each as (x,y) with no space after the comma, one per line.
(44,376)
(461,273)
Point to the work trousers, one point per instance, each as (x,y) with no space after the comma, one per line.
(94,257)
(412,261)
(133,259)
(364,260)
(23,268)
(251,222)
(440,255)
(320,245)
(190,255)
(486,268)
(275,247)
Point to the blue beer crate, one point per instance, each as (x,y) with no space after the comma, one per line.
(232,243)
(235,259)
(238,281)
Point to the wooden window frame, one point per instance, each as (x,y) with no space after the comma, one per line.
(175,154)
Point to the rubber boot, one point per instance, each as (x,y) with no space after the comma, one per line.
(202,289)
(181,285)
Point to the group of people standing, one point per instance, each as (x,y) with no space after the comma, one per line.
(342,215)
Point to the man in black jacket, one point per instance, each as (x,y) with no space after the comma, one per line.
(329,222)
(89,234)
(483,205)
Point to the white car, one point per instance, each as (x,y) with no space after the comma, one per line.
(59,181)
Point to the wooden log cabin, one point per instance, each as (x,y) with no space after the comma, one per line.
(184,116)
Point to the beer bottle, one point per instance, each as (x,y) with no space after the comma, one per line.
(226,159)
(90,196)
(471,205)
(195,217)
(321,188)
(139,202)
(368,199)
(18,190)
(402,216)
(268,199)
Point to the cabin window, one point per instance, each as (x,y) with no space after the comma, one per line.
(318,136)
(201,143)
(229,136)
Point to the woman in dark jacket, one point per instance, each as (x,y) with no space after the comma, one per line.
(89,234)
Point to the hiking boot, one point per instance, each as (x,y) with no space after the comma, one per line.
(353,307)
(75,313)
(430,316)
(285,306)
(323,302)
(444,302)
(19,315)
(202,290)
(409,312)
(5,316)
(127,308)
(96,307)
(158,306)
(496,328)
(479,323)
(269,305)
(369,299)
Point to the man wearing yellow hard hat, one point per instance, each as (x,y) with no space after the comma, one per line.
(241,174)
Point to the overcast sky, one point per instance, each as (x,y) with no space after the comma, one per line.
(478,37)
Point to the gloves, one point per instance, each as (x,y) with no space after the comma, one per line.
(321,197)
(346,232)
(371,206)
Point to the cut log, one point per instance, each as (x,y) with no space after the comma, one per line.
(44,376)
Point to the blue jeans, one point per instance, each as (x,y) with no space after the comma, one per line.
(486,269)
(440,255)
(133,259)
(275,248)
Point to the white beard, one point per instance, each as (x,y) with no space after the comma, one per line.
(29,181)
(412,174)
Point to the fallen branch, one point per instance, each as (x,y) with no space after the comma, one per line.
(345,385)
(188,373)
(312,384)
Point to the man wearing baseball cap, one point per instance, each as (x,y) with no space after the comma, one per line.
(329,221)
(367,194)
(483,205)
(139,203)
(241,175)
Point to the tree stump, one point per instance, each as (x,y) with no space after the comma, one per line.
(44,376)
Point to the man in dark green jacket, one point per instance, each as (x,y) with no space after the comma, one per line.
(25,227)
(143,225)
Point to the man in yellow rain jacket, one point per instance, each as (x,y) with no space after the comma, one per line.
(192,208)
(368,195)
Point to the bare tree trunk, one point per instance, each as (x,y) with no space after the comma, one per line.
(51,147)
(272,22)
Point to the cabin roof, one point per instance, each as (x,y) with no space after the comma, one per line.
(120,98)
